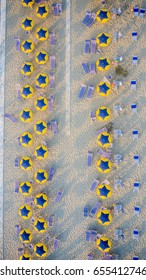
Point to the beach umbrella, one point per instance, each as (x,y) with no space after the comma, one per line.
(42,11)
(27,24)
(27,46)
(27,3)
(41,57)
(41,200)
(26,115)
(40,127)
(103,64)
(103,40)
(27,69)
(104,165)
(103,88)
(41,152)
(40,250)
(102,15)
(25,235)
(26,163)
(25,257)
(25,188)
(104,217)
(103,191)
(103,244)
(41,103)
(42,80)
(41,176)
(104,139)
(26,139)
(27,91)
(42,34)
(40,225)
(25,212)
(103,114)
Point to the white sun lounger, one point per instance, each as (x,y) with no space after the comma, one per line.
(94,185)
(90,256)
(87,235)
(52,39)
(58,196)
(16,189)
(18,88)
(93,235)
(95,209)
(142,13)
(136,159)
(89,158)
(91,20)
(137,210)
(136,186)
(135,60)
(87,46)
(135,134)
(10,117)
(52,62)
(134,107)
(51,78)
(17,44)
(85,67)
(93,45)
(82,91)
(86,18)
(133,84)
(92,116)
(86,211)
(92,68)
(90,91)
(134,36)
(135,234)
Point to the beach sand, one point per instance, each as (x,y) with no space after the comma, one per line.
(68,153)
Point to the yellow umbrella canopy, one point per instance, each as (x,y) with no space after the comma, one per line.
(103,64)
(25,188)
(27,69)
(27,24)
(42,80)
(103,191)
(26,139)
(42,11)
(104,217)
(41,103)
(42,34)
(103,114)
(26,115)
(41,200)
(40,250)
(103,40)
(103,88)
(25,257)
(41,57)
(41,152)
(41,176)
(103,15)
(27,3)
(25,236)
(40,225)
(103,244)
(104,139)
(25,212)
(40,127)
(27,91)
(104,165)
(27,46)
(26,163)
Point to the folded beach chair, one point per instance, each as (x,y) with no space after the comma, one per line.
(92,67)
(134,60)
(135,258)
(58,196)
(133,84)
(135,234)
(94,185)
(56,244)
(86,18)
(91,20)
(118,233)
(90,91)
(137,210)
(10,117)
(92,116)
(18,88)
(93,235)
(135,134)
(93,45)
(142,13)
(51,80)
(134,36)
(54,127)
(17,229)
(135,11)
(85,67)
(86,211)
(136,159)
(88,235)
(52,38)
(17,44)
(95,209)
(52,62)
(90,256)
(89,158)
(16,189)
(134,107)
(51,174)
(87,46)
(117,133)
(104,129)
(17,162)
(136,186)
(82,91)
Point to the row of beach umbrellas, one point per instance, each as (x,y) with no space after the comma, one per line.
(42,10)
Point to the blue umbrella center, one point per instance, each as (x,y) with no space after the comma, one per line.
(25,236)
(41,79)
(27,1)
(25,258)
(103,38)
(40,250)
(40,226)
(27,45)
(103,63)
(26,68)
(41,201)
(104,88)
(26,163)
(40,152)
(40,127)
(42,10)
(26,115)
(27,22)
(40,103)
(24,211)
(42,33)
(104,139)
(26,139)
(102,15)
(41,56)
(26,91)
(104,218)
(104,165)
(25,188)
(104,191)
(104,244)
(103,113)
(40,176)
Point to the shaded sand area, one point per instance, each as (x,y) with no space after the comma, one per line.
(68,153)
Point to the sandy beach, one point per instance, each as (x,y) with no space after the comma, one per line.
(68,153)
